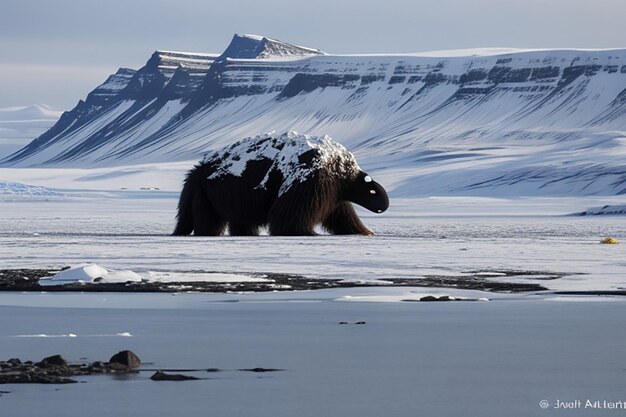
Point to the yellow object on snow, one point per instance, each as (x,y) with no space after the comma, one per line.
(609,241)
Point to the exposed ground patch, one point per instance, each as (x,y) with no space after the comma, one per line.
(485,280)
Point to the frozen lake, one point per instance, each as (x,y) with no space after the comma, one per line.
(446,359)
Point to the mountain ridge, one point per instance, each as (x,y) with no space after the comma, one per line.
(413,114)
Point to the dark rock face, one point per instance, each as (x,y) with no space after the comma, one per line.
(250,47)
(125,359)
(108,92)
(305,83)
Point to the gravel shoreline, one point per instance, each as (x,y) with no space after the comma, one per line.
(492,281)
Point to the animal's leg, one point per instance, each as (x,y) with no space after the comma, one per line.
(184,217)
(344,221)
(206,222)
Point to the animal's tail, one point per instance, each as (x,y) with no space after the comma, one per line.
(184,218)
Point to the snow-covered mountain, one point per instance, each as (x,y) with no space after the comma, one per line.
(520,122)
(19,125)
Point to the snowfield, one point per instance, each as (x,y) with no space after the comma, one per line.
(449,236)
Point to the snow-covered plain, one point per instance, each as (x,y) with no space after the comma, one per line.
(130,230)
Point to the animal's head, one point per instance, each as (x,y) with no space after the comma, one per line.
(367,193)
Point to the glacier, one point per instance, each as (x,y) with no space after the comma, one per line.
(475,122)
(12,190)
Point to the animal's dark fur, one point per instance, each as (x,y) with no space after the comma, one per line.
(208,206)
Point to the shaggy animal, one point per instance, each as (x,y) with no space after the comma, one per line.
(290,183)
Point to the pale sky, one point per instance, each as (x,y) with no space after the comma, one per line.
(55,52)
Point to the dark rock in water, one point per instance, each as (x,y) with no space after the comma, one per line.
(162,376)
(51,370)
(343,322)
(125,359)
(261,370)
(56,370)
(360,322)
(429,298)
(214,370)
(50,361)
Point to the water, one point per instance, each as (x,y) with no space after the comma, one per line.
(444,359)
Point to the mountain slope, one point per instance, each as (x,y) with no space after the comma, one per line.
(121,105)
(18,125)
(519,122)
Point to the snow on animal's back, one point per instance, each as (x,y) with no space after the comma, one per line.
(296,156)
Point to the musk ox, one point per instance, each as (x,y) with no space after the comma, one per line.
(289,183)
